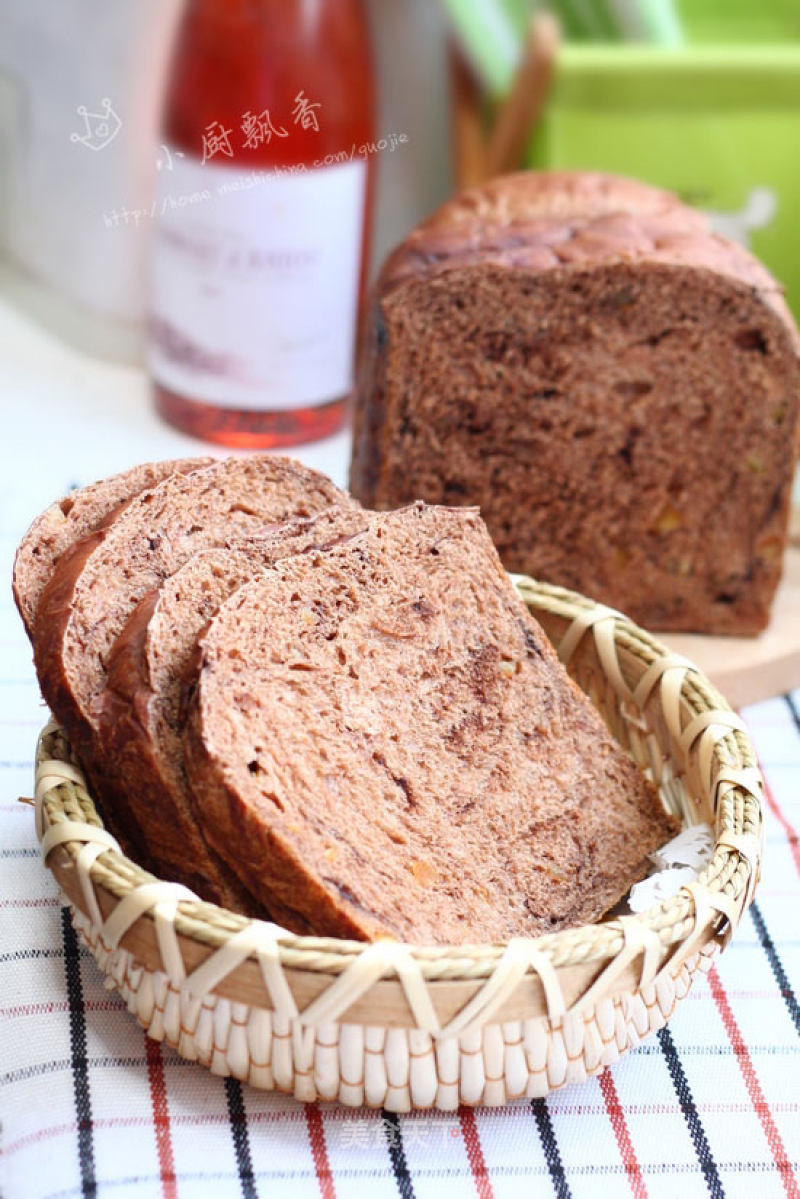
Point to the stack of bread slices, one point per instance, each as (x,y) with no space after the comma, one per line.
(342,719)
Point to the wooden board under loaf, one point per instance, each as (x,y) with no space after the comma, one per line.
(749,669)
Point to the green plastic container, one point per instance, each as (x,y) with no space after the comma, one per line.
(720,125)
(716,119)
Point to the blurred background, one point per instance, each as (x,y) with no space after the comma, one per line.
(700,96)
(716,117)
(87,279)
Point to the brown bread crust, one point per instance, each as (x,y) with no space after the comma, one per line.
(97,584)
(555,195)
(140,711)
(73,517)
(530,218)
(614,385)
(402,754)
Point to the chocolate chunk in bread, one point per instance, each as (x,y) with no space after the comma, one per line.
(382,738)
(97,584)
(71,518)
(614,385)
(139,712)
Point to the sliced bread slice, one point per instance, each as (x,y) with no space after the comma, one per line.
(71,518)
(140,711)
(97,584)
(382,738)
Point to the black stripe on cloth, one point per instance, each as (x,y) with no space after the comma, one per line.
(705,1158)
(24,955)
(552,1154)
(241,1138)
(397,1154)
(776,965)
(792,706)
(80,1067)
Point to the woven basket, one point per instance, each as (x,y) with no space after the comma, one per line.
(401,1026)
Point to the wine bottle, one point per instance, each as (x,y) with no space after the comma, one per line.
(262,219)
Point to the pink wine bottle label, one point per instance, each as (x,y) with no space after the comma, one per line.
(255,283)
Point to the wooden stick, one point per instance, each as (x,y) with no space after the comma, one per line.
(522,108)
(468,133)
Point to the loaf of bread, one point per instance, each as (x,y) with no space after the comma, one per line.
(71,518)
(381,738)
(98,582)
(140,710)
(613,384)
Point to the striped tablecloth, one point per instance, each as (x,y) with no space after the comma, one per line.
(90,1106)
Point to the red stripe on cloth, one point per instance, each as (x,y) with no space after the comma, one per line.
(319,1151)
(161,1124)
(757,1098)
(472,1144)
(620,1126)
(193,1120)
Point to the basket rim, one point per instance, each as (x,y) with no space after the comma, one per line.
(727,882)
